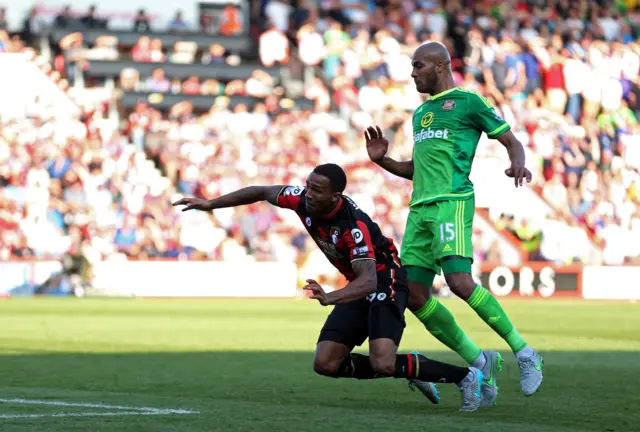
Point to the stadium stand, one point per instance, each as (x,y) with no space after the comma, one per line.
(134,119)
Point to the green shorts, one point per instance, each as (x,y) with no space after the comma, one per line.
(437,230)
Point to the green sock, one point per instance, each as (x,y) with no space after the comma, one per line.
(441,324)
(488,308)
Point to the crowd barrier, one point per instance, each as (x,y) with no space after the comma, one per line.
(164,278)
(171,278)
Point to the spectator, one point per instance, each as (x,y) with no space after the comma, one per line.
(310,45)
(553,64)
(157,82)
(277,13)
(303,12)
(573,158)
(183,52)
(30,26)
(231,20)
(125,237)
(234,247)
(177,24)
(571,98)
(4,25)
(129,79)
(215,55)
(576,74)
(141,51)
(556,194)
(64,19)
(273,47)
(371,98)
(91,21)
(608,24)
(157,55)
(591,182)
(578,207)
(191,86)
(105,49)
(142,23)
(614,241)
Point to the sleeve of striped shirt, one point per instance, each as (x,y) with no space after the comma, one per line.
(359,242)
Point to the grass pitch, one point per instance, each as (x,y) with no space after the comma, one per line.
(245,365)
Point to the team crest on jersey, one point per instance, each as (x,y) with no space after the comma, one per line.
(448,105)
(427,119)
(308,221)
(335,234)
(328,249)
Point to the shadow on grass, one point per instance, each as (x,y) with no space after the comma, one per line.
(590,391)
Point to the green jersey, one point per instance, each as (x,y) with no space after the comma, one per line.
(446,131)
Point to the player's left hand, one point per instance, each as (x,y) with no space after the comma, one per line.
(519,173)
(317,292)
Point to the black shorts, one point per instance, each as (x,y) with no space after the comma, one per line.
(378,316)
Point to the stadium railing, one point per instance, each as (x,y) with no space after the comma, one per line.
(164,101)
(220,72)
(127,39)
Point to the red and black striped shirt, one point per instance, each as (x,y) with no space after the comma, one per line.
(345,235)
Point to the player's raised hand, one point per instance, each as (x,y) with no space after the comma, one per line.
(377,144)
(317,292)
(193,204)
(519,174)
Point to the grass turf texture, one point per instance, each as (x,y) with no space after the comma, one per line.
(246,366)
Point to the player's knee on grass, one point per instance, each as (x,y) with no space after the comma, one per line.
(328,358)
(457,273)
(382,355)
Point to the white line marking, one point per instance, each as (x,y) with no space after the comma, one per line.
(137,410)
(87,414)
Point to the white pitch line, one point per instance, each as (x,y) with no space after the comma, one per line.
(92,405)
(89,414)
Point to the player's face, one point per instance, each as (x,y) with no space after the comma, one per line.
(423,74)
(321,199)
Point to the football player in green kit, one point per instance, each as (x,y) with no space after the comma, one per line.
(446,131)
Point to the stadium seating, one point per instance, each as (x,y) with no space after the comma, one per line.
(101,180)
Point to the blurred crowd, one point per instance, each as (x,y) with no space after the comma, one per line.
(564,74)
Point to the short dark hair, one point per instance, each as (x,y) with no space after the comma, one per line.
(335,174)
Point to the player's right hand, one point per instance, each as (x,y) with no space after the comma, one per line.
(377,144)
(519,174)
(193,204)
(317,292)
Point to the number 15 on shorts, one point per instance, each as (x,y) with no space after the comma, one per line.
(447,234)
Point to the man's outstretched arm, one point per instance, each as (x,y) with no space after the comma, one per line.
(244,196)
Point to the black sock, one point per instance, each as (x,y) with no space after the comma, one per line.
(356,366)
(419,367)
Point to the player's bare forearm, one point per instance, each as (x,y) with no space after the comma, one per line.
(402,169)
(360,287)
(514,148)
(517,170)
(245,196)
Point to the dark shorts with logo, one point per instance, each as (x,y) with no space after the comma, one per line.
(378,316)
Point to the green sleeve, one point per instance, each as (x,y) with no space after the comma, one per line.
(603,120)
(630,116)
(484,117)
